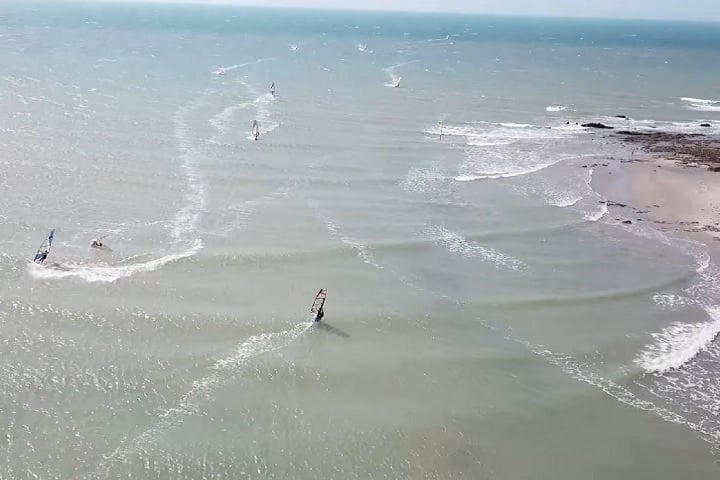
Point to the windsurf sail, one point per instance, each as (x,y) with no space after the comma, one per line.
(44,249)
(255,129)
(318,304)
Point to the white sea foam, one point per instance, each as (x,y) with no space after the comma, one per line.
(185,235)
(679,343)
(223,121)
(106,273)
(241,65)
(556,108)
(700,100)
(671,300)
(186,220)
(507,164)
(263,113)
(394,78)
(263,103)
(702,104)
(458,244)
(202,391)
(429,180)
(517,125)
(359,247)
(594,216)
(705,108)
(504,150)
(585,373)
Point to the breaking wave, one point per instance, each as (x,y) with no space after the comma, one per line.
(701,104)
(679,343)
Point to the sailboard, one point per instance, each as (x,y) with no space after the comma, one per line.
(44,249)
(397,82)
(256,129)
(318,304)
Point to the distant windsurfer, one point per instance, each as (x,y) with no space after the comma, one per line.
(256,129)
(319,304)
(44,250)
(96,244)
(272,89)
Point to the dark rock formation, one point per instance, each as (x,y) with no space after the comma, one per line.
(596,125)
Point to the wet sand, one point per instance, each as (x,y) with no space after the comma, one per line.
(671,180)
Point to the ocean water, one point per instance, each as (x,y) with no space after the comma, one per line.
(487,317)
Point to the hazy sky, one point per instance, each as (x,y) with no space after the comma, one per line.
(667,9)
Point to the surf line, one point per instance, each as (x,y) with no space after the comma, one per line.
(576,370)
(221,372)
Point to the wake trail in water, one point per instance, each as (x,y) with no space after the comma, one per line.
(394,78)
(221,373)
(224,70)
(224,121)
(359,247)
(185,225)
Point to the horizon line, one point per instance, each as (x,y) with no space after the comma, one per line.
(345,8)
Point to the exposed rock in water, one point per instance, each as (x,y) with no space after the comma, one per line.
(628,132)
(705,125)
(627,222)
(596,125)
(621,116)
(686,149)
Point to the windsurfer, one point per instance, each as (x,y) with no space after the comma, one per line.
(319,304)
(42,256)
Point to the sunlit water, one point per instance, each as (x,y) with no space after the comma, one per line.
(486,316)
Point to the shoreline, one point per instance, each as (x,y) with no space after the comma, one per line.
(674,192)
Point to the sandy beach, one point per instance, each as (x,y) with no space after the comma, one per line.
(670,181)
(688,197)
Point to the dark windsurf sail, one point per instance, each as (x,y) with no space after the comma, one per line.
(44,250)
(256,129)
(318,304)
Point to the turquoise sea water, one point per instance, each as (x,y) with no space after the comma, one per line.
(487,316)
